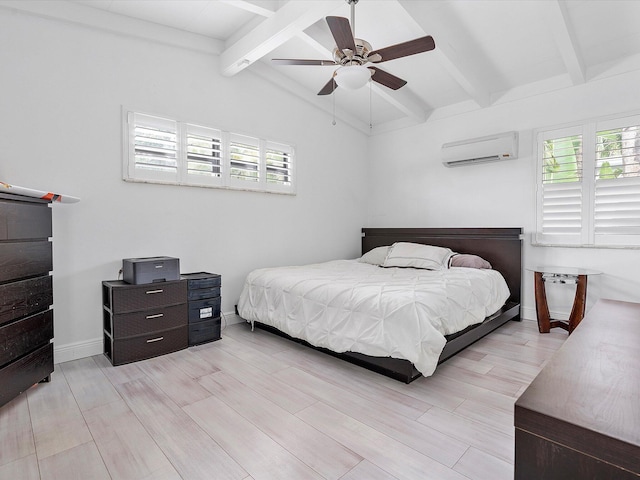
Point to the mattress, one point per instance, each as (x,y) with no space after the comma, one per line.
(346,305)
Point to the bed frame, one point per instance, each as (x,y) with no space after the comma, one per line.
(502,247)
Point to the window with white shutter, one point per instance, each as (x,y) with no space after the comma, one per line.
(161,150)
(153,148)
(617,183)
(244,159)
(204,155)
(279,166)
(562,188)
(589,184)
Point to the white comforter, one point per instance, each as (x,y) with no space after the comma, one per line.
(346,305)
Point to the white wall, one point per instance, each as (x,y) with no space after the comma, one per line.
(416,190)
(62,87)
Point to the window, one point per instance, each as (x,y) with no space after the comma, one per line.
(245,158)
(161,150)
(589,184)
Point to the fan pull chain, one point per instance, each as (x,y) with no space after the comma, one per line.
(370,107)
(333,95)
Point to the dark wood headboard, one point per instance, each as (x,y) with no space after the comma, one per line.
(501,247)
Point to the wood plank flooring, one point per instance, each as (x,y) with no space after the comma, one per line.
(255,406)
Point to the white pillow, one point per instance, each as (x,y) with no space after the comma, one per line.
(375,256)
(414,255)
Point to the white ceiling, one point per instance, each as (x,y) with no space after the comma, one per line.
(487,51)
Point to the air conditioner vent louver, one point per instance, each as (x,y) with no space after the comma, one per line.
(503,146)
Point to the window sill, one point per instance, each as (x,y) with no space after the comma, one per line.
(606,247)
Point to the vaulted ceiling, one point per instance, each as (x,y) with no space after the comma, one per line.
(487,51)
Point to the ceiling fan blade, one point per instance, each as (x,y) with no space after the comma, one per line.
(342,34)
(292,61)
(329,87)
(386,79)
(419,45)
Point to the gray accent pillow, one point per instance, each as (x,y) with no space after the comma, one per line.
(469,261)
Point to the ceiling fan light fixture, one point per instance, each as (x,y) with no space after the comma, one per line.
(352,77)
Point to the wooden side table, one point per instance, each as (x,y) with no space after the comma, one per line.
(569,275)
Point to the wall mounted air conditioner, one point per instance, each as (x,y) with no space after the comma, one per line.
(502,146)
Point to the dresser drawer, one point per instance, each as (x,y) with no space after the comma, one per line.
(203,332)
(25,297)
(22,336)
(201,293)
(22,220)
(133,349)
(120,297)
(145,322)
(18,376)
(202,280)
(204,309)
(24,259)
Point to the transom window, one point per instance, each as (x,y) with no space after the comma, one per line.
(162,150)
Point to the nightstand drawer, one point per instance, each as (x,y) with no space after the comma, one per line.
(121,297)
(22,336)
(151,320)
(133,349)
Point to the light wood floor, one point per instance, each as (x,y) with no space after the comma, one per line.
(255,406)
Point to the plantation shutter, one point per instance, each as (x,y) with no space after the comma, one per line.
(161,150)
(204,155)
(154,150)
(561,189)
(279,166)
(617,184)
(244,159)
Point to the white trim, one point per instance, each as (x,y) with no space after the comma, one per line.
(77,350)
(528,314)
(89,348)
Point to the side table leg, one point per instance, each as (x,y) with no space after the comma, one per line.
(542,308)
(579,303)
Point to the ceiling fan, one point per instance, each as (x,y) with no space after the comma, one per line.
(354,54)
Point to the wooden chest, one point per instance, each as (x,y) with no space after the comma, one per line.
(26,294)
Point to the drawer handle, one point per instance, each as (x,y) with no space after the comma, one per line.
(157,315)
(155,339)
(149,292)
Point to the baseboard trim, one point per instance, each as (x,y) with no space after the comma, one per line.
(76,350)
(89,348)
(529,313)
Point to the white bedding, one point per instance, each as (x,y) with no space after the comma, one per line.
(346,305)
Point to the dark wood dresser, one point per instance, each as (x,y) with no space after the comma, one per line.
(26,294)
(580,417)
(144,321)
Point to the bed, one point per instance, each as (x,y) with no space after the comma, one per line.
(308,303)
